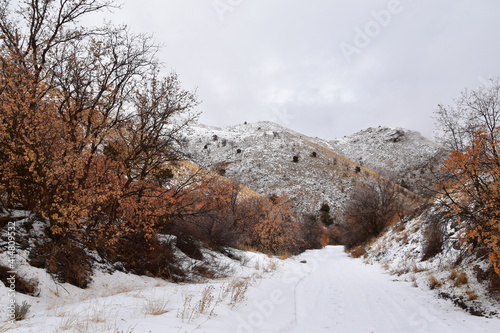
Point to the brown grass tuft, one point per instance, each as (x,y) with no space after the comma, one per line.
(434,282)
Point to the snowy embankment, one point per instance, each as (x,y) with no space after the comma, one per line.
(318,291)
(426,251)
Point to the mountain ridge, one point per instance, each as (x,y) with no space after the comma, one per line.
(274,160)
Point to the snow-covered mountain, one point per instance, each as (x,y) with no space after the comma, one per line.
(399,154)
(272,159)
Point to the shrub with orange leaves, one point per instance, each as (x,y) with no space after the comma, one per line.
(470,178)
(274,229)
(472,190)
(86,121)
(89,131)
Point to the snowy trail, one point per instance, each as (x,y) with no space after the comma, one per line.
(338,294)
(320,291)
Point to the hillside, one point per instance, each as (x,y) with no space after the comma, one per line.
(399,154)
(261,156)
(424,249)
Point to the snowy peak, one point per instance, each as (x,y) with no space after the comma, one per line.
(400,154)
(272,159)
(383,134)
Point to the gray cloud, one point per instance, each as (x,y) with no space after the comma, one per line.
(285,60)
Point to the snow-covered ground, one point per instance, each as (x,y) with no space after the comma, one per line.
(451,272)
(318,291)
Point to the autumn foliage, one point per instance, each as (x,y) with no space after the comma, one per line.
(472,190)
(87,124)
(470,179)
(90,139)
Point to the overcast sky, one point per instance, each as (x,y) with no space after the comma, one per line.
(326,68)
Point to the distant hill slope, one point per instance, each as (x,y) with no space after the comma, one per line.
(400,154)
(272,159)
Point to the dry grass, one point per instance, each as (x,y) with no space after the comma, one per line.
(416,269)
(458,278)
(204,306)
(453,274)
(186,312)
(155,307)
(434,282)
(461,279)
(237,290)
(232,293)
(69,322)
(270,267)
(471,295)
(5,327)
(21,310)
(95,319)
(207,298)
(285,255)
(401,269)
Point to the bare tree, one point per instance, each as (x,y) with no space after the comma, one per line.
(368,211)
(475,110)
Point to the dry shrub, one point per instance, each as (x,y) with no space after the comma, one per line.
(313,233)
(205,271)
(370,208)
(66,260)
(434,282)
(470,177)
(333,235)
(28,287)
(272,226)
(138,254)
(460,279)
(210,214)
(189,247)
(494,282)
(357,251)
(433,237)
(81,142)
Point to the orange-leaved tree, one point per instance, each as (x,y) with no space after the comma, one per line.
(472,190)
(470,181)
(275,228)
(86,121)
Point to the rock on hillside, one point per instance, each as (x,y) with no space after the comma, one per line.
(272,159)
